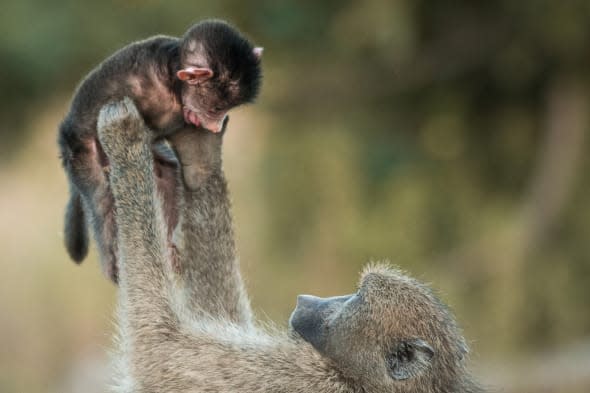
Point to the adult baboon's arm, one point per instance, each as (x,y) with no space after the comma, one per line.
(141,229)
(209,272)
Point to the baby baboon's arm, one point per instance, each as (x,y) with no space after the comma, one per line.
(210,274)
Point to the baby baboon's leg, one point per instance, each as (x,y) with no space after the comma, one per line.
(210,274)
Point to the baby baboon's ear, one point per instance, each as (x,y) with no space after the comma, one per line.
(194,75)
(409,359)
(258,52)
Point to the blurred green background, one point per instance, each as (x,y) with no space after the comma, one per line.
(450,137)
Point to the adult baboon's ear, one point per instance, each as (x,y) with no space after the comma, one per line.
(409,359)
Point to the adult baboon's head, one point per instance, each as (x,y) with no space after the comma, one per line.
(393,334)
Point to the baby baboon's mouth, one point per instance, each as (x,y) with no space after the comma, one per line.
(191,117)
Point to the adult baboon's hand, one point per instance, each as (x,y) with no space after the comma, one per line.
(199,153)
(122,131)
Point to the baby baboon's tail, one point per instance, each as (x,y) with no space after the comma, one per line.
(75,229)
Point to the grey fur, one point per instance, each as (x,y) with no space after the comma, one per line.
(208,266)
(372,334)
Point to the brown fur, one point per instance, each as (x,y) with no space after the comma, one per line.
(393,335)
(146,71)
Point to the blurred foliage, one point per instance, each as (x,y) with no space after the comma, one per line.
(449,137)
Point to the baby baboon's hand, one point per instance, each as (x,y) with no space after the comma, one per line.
(122,131)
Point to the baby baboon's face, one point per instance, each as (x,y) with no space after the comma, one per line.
(392,332)
(220,70)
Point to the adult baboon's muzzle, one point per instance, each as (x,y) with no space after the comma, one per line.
(311,315)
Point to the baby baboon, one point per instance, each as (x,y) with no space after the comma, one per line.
(392,335)
(176,83)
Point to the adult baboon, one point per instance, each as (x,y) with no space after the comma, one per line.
(392,335)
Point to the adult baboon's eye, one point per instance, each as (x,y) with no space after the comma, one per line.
(409,359)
